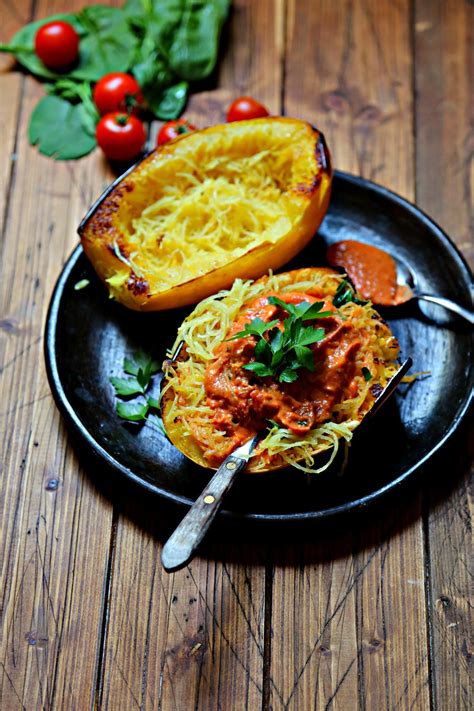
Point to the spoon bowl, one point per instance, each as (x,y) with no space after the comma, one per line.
(408,290)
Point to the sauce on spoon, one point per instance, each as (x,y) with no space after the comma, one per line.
(372,271)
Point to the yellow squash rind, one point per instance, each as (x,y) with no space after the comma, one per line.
(104,231)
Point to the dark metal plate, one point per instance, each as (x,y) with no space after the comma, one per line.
(87,337)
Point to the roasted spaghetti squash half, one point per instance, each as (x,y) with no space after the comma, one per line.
(230,201)
(217,393)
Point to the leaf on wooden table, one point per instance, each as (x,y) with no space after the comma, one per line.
(57,129)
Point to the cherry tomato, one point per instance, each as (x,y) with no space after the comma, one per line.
(114,91)
(172,129)
(57,44)
(120,136)
(245,108)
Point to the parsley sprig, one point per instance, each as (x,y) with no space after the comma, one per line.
(285,350)
(140,370)
(344,294)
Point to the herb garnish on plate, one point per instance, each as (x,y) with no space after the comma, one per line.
(286,349)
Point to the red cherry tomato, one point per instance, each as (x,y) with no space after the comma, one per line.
(114,91)
(172,129)
(245,108)
(120,136)
(57,44)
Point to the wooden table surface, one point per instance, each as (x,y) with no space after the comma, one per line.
(375,615)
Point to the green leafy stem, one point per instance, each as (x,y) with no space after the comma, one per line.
(284,351)
(139,371)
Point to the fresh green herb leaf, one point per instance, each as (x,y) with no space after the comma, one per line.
(130,366)
(109,43)
(171,101)
(132,411)
(367,374)
(259,369)
(285,350)
(125,387)
(257,327)
(153,403)
(192,53)
(307,335)
(56,127)
(305,357)
(289,375)
(143,378)
(74,92)
(345,294)
(22,45)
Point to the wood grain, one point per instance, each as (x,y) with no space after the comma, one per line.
(55,524)
(445,189)
(374,615)
(196,638)
(342,640)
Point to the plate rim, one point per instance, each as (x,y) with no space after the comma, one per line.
(73,420)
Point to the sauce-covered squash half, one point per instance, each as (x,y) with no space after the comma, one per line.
(281,356)
(229,201)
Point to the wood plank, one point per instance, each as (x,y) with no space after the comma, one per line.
(191,639)
(13,17)
(55,524)
(348,70)
(445,184)
(196,638)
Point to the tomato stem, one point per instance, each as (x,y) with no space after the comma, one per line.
(122,119)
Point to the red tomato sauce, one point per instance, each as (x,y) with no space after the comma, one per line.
(243,403)
(372,271)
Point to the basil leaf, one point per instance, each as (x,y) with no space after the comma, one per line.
(367,374)
(126,386)
(132,411)
(56,127)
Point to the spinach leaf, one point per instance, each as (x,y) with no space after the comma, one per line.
(171,103)
(109,44)
(57,128)
(78,91)
(24,40)
(192,53)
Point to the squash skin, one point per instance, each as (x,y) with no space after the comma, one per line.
(100,230)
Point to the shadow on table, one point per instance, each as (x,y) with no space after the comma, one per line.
(295,543)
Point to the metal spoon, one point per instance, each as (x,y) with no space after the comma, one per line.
(181,546)
(407,291)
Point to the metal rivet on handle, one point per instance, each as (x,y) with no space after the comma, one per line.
(231,465)
(209,499)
